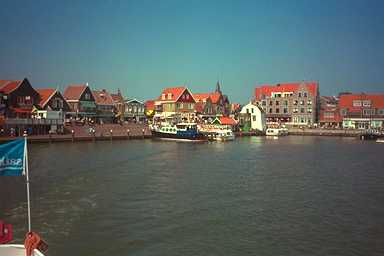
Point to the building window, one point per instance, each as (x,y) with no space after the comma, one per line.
(285,110)
(380,111)
(252,110)
(285,103)
(309,110)
(356,103)
(309,102)
(187,96)
(299,94)
(295,110)
(270,110)
(301,110)
(247,111)
(277,111)
(295,102)
(301,102)
(305,94)
(368,111)
(344,112)
(263,103)
(163,96)
(254,118)
(277,103)
(270,103)
(169,96)
(366,103)
(87,96)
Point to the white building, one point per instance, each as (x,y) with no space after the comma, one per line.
(256,116)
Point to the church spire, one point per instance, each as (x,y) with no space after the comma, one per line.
(218,87)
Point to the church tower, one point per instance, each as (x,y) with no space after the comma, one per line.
(218,87)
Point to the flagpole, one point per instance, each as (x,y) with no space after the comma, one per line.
(26,171)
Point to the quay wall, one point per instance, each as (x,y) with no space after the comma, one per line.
(325,132)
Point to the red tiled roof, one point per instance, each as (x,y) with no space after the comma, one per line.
(150,105)
(7,86)
(117,97)
(45,95)
(201,96)
(285,87)
(215,97)
(174,91)
(346,101)
(227,120)
(102,98)
(74,92)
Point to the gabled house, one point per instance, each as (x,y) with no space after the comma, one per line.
(212,104)
(176,101)
(17,98)
(252,117)
(81,101)
(105,106)
(225,121)
(118,100)
(52,99)
(134,110)
(51,109)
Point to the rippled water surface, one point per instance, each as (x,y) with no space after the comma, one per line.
(253,196)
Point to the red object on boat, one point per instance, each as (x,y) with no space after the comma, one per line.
(6,232)
(33,241)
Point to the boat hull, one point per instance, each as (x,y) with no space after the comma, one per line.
(179,136)
(16,250)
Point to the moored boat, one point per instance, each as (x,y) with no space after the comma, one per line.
(276,131)
(223,135)
(380,140)
(178,132)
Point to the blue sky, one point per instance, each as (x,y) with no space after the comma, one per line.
(143,46)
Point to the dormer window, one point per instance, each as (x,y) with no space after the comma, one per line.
(169,96)
(163,96)
(187,96)
(87,96)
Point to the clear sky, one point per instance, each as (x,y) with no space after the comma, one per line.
(143,46)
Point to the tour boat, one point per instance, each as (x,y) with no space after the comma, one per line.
(178,132)
(276,131)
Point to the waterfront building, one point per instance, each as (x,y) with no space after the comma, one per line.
(252,117)
(81,101)
(51,111)
(17,98)
(212,104)
(134,110)
(105,106)
(362,111)
(289,103)
(175,102)
(329,115)
(118,100)
(17,101)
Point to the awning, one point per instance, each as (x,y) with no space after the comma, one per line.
(22,110)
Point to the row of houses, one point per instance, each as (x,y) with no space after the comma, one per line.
(43,110)
(300,104)
(181,102)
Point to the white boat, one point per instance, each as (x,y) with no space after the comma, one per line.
(380,140)
(276,131)
(224,135)
(16,250)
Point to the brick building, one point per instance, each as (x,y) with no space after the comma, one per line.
(289,103)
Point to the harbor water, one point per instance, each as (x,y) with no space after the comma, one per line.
(253,196)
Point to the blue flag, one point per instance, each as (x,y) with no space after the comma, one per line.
(12,158)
